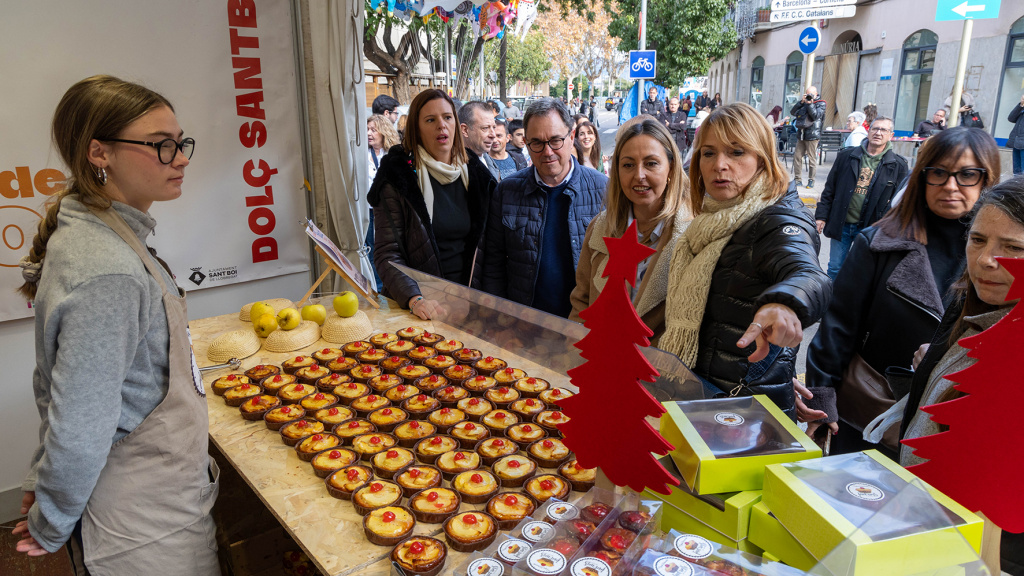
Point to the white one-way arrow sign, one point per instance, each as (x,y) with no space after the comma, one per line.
(964,9)
(807,40)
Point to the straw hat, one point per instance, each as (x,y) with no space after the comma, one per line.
(235,344)
(306,333)
(338,330)
(277,303)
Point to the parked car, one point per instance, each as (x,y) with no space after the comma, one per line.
(612,102)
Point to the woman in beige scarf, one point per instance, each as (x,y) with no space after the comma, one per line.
(745,272)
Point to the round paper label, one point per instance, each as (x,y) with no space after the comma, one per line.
(562,511)
(538,531)
(590,567)
(728,419)
(693,547)
(485,567)
(546,562)
(865,491)
(672,566)
(513,550)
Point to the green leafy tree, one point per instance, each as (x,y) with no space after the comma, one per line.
(399,59)
(524,61)
(688,35)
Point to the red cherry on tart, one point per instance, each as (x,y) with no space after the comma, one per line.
(415,472)
(375,440)
(334,455)
(352,474)
(392,454)
(386,412)
(476,478)
(388,516)
(416,548)
(547,484)
(432,496)
(514,464)
(511,500)
(435,440)
(469,519)
(376,487)
(596,512)
(565,547)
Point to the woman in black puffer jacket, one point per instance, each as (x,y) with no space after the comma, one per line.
(744,279)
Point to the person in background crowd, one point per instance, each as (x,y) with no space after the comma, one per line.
(715,102)
(380,137)
(1016,140)
(430,201)
(577,120)
(508,161)
(386,106)
(648,186)
(121,474)
(652,105)
(859,190)
(512,112)
(996,231)
(686,105)
(400,125)
(584,107)
(675,120)
(926,128)
(894,286)
(855,124)
(807,116)
(495,110)
(966,106)
(477,125)
(870,113)
(702,114)
(745,271)
(588,147)
(703,101)
(516,137)
(775,117)
(538,217)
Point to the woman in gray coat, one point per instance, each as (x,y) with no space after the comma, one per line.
(1016,139)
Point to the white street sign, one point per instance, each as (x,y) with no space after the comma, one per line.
(813,14)
(796,4)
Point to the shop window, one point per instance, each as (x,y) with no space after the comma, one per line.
(915,79)
(756,82)
(794,77)
(1013,82)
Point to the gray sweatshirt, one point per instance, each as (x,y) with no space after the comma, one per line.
(101,360)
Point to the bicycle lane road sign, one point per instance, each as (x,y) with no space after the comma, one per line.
(643,64)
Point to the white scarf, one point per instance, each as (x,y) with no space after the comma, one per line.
(444,173)
(693,262)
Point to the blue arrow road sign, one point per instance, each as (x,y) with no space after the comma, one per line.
(809,39)
(966,9)
(643,64)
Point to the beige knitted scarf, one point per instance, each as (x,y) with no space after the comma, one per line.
(695,257)
(444,173)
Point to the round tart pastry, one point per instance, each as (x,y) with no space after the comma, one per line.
(409,332)
(470,531)
(358,347)
(364,372)
(292,432)
(475,486)
(634,520)
(318,400)
(331,381)
(479,384)
(326,462)
(309,446)
(412,431)
(401,392)
(291,365)
(564,546)
(412,372)
(420,406)
(310,374)
(369,403)
(350,429)
(388,526)
(499,420)
(326,355)
(333,415)
(391,364)
(469,433)
(342,483)
(509,508)
(509,376)
(439,363)
(513,471)
(295,392)
(399,347)
(448,346)
(430,449)
(417,477)
(349,391)
(222,384)
(428,338)
(581,479)
(551,420)
(525,433)
(430,382)
(596,512)
(445,418)
(617,539)
(458,373)
(261,371)
(546,486)
(384,382)
(376,494)
(531,387)
(420,556)
(455,462)
(368,445)
(236,395)
(475,408)
(382,338)
(527,407)
(434,505)
(578,528)
(450,395)
(502,396)
(272,384)
(467,355)
(552,396)
(385,419)
(420,353)
(275,418)
(549,452)
(257,406)
(342,364)
(488,365)
(386,463)
(491,449)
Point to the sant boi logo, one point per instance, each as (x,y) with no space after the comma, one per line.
(197,276)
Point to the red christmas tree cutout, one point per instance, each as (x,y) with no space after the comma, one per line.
(608,418)
(979,461)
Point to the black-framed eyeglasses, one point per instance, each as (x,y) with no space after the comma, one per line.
(555,143)
(166,148)
(965,177)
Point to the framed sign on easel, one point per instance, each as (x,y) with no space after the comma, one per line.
(340,265)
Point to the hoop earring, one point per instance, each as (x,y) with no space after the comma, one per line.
(101,174)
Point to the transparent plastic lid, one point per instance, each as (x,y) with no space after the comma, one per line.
(735,427)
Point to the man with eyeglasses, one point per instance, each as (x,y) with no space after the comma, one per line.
(859,190)
(539,216)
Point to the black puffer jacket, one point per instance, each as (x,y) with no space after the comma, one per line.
(889,177)
(772,259)
(676,123)
(401,224)
(814,112)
